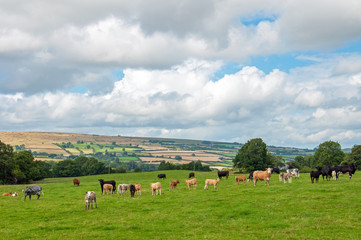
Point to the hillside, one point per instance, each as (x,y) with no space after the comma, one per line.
(115,149)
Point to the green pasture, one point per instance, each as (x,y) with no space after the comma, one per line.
(300,210)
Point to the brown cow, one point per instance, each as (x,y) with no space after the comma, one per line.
(6,194)
(173,184)
(191,182)
(241,178)
(262,175)
(76,181)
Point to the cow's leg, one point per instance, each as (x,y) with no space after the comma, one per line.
(30,196)
(38,196)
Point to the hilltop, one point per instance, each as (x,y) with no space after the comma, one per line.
(115,149)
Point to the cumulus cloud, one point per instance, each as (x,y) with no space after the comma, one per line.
(148,69)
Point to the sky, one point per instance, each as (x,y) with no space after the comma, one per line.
(288,72)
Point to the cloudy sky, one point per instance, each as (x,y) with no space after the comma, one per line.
(226,70)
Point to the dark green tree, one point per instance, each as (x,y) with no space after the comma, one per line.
(253,156)
(7,164)
(328,153)
(26,168)
(355,155)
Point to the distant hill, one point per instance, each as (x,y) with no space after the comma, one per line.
(115,149)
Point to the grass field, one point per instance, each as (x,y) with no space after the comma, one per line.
(300,210)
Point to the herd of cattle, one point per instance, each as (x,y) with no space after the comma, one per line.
(109,187)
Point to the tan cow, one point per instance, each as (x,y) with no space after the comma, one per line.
(156,188)
(191,182)
(106,188)
(89,198)
(213,182)
(6,194)
(138,189)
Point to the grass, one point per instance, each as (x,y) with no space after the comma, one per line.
(301,210)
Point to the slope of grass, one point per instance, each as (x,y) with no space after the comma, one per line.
(300,210)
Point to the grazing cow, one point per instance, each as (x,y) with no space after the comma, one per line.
(191,182)
(76,181)
(123,188)
(351,169)
(173,184)
(162,176)
(156,188)
(89,198)
(213,182)
(138,189)
(286,176)
(191,175)
(33,190)
(15,194)
(262,175)
(223,174)
(327,172)
(132,190)
(102,182)
(241,178)
(295,172)
(316,174)
(106,188)
(6,194)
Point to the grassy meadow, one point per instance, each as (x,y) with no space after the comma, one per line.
(300,210)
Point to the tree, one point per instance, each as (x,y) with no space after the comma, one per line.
(328,153)
(7,163)
(253,156)
(355,155)
(26,169)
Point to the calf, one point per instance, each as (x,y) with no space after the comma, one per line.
(6,194)
(345,169)
(173,184)
(138,189)
(295,172)
(15,194)
(316,174)
(33,190)
(223,174)
(241,178)
(163,176)
(89,198)
(132,190)
(213,182)
(191,175)
(327,171)
(76,181)
(286,176)
(156,188)
(191,182)
(102,182)
(123,188)
(106,188)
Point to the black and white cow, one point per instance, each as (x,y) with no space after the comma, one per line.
(32,190)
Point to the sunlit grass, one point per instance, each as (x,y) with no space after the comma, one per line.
(300,210)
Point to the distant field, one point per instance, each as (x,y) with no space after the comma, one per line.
(301,210)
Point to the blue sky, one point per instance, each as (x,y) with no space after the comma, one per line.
(286,71)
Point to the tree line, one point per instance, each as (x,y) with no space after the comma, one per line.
(192,166)
(254,156)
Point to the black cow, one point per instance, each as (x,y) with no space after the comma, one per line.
(162,176)
(223,174)
(191,175)
(327,171)
(316,174)
(275,170)
(132,190)
(102,182)
(250,177)
(33,190)
(351,169)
